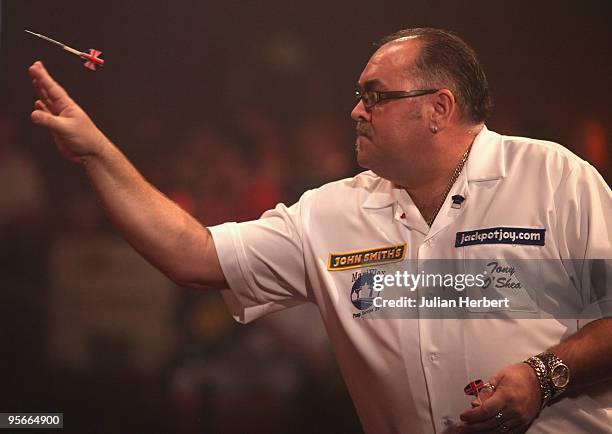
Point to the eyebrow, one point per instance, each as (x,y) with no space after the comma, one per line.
(369,84)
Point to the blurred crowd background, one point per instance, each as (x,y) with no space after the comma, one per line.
(228,107)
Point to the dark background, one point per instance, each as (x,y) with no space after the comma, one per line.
(227,107)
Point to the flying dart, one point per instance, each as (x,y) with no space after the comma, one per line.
(91,57)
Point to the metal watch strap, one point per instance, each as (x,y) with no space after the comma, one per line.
(541,372)
(551,361)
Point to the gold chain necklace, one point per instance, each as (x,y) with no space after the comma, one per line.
(456,173)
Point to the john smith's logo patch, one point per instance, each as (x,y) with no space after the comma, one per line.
(366,258)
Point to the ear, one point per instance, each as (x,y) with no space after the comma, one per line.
(444,106)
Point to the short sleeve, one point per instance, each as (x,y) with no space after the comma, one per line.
(263,262)
(584,235)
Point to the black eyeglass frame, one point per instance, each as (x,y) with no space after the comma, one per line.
(392,94)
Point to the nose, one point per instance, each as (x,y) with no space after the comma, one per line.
(360,113)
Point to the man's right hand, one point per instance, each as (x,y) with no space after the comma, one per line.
(156,227)
(74,133)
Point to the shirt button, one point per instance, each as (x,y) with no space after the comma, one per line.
(447,421)
(434,357)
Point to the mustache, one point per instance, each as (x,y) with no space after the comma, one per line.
(363,129)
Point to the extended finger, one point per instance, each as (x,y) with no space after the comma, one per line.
(39,105)
(53,94)
(42,94)
(44,117)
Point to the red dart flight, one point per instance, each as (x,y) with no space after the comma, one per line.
(473,387)
(92,55)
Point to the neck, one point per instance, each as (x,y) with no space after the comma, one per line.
(431,189)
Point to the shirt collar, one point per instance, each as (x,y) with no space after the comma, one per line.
(381,195)
(485,163)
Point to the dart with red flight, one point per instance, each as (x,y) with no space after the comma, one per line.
(473,388)
(91,56)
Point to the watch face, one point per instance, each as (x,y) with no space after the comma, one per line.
(560,376)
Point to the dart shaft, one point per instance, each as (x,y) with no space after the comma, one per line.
(71,50)
(92,56)
(53,41)
(46,38)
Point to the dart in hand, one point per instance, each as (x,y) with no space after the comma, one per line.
(91,56)
(477,388)
(473,388)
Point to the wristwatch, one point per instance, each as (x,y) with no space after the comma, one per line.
(553,375)
(558,373)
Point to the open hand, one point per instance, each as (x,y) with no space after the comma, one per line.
(74,133)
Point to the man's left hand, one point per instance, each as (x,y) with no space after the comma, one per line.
(516,397)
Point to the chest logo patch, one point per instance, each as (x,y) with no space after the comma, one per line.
(366,258)
(501,235)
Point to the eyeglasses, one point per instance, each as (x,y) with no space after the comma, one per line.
(371,97)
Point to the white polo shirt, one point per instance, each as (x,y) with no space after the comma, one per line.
(408,375)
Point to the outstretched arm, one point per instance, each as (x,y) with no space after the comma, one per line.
(156,227)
